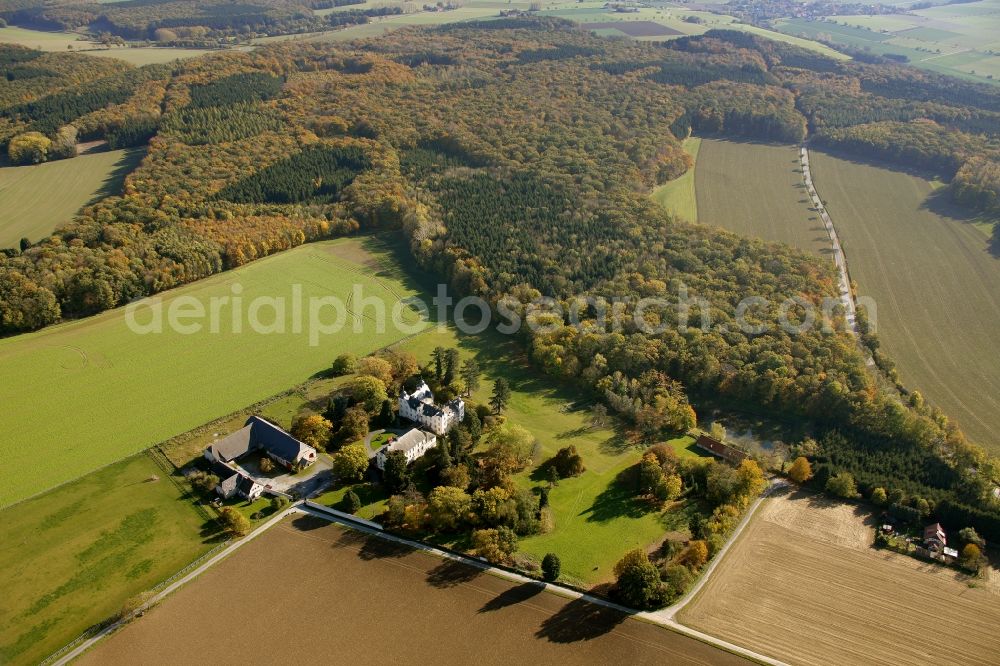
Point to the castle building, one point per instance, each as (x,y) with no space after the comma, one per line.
(420,408)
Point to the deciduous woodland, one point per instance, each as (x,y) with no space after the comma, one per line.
(517,155)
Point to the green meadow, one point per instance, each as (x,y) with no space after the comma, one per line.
(114,392)
(70,558)
(34,200)
(678,196)
(597,518)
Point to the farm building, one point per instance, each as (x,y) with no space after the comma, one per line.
(260,435)
(935,538)
(420,408)
(233,482)
(413,444)
(720,450)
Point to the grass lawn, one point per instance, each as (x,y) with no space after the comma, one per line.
(34,200)
(678,196)
(596,519)
(756,190)
(373,498)
(934,281)
(71,557)
(118,392)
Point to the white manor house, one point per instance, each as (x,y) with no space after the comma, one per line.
(419,407)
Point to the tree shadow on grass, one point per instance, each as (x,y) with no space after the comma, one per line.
(212,532)
(618,500)
(580,620)
(451,573)
(512,597)
(113,182)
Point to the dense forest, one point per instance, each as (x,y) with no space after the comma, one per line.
(517,155)
(181,22)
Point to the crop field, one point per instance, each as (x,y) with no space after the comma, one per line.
(756,190)
(801,584)
(118,392)
(959,39)
(678,196)
(64,41)
(34,200)
(933,280)
(344,595)
(70,558)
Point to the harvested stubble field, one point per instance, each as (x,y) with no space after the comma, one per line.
(932,276)
(310,592)
(756,190)
(803,585)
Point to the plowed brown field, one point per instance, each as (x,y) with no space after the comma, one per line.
(802,585)
(308,592)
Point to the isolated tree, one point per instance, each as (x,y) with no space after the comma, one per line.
(969,535)
(501,395)
(266,465)
(470,375)
(474,425)
(25,244)
(370,392)
(396,473)
(29,148)
(457,476)
(801,470)
(344,364)
(496,545)
(355,424)
(278,503)
(879,497)
(972,556)
(353,502)
(203,482)
(386,417)
(842,485)
(638,582)
(313,430)
(350,463)
(551,567)
(695,555)
(451,359)
(379,368)
(448,507)
(438,357)
(568,462)
(234,522)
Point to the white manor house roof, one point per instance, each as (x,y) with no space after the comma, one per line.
(420,407)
